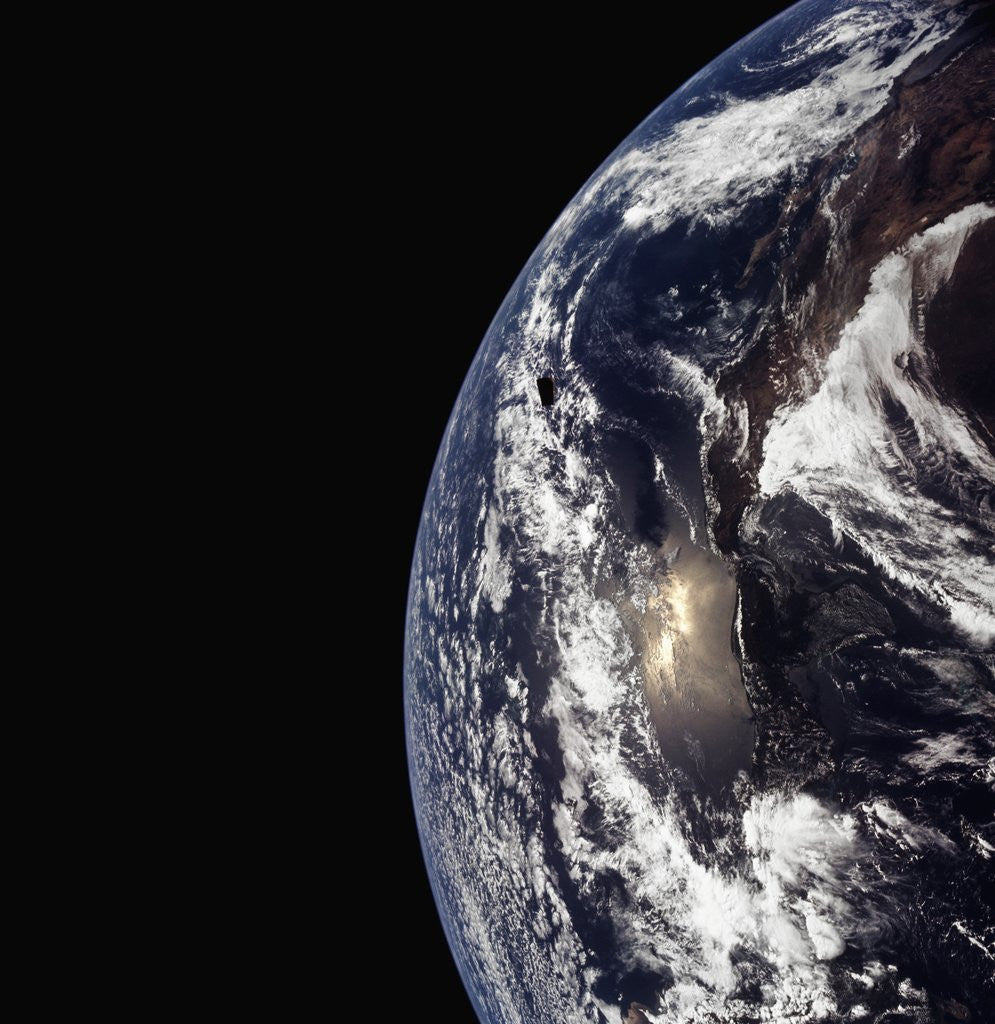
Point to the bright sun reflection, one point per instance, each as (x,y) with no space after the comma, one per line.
(677,601)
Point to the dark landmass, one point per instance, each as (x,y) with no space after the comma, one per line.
(925,156)
(819,647)
(960,331)
(951,1010)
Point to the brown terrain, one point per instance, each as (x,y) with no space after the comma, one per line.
(886,196)
(960,330)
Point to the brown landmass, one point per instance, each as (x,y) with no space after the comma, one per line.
(960,331)
(925,156)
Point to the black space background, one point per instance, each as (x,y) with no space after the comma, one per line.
(463,201)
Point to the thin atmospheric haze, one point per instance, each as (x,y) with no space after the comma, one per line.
(699,671)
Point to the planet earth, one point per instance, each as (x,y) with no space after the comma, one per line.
(699,673)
